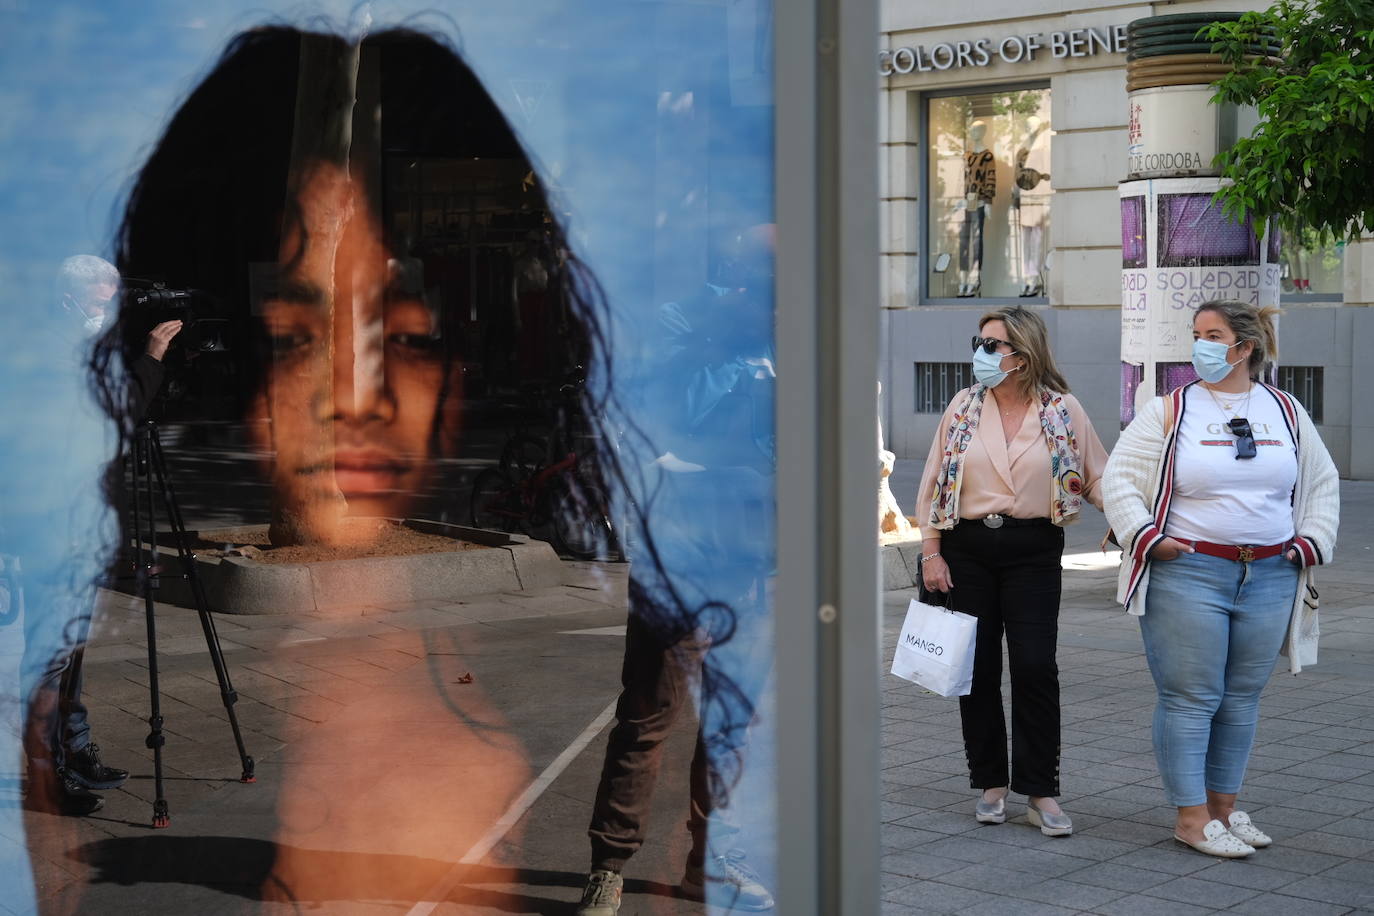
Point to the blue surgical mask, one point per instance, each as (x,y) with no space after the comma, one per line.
(1209,359)
(987,367)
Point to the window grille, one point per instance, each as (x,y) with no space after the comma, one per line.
(1305,384)
(938,383)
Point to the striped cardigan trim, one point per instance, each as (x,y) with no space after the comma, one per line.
(1153,534)
(1307,551)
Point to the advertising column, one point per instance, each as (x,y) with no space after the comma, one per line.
(1178,249)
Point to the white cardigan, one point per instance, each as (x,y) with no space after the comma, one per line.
(1138,486)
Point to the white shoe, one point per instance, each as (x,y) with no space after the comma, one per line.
(1218,841)
(1241,828)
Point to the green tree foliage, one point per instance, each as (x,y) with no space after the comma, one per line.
(1310,163)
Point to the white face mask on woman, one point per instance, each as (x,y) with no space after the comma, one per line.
(1209,359)
(987,367)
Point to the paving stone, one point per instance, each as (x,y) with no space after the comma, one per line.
(1140,905)
(937,897)
(1283,905)
(1169,861)
(1250,872)
(1116,876)
(1334,844)
(1065,893)
(1191,889)
(1018,905)
(916,863)
(1333,890)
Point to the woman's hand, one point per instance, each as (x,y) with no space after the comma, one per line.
(935,573)
(1169,549)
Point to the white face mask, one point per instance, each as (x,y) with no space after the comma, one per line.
(987,367)
(1209,359)
(94,323)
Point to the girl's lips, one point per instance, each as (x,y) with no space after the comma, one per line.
(363,481)
(360,472)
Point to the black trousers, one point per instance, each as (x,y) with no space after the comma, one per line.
(971,239)
(1010,579)
(658,682)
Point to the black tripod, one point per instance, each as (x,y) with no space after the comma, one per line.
(151,465)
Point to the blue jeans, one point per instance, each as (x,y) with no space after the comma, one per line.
(1212,630)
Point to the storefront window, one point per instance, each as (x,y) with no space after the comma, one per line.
(989,194)
(1310,269)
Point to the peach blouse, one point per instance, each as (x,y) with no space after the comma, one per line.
(1009,478)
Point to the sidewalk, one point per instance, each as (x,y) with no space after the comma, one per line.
(1309,785)
(547,664)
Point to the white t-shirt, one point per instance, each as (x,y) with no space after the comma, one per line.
(1228,500)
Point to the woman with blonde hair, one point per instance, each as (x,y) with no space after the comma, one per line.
(1012,461)
(1224,498)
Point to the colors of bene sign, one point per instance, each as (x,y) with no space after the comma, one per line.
(1014,49)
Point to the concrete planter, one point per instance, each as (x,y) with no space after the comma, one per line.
(238,585)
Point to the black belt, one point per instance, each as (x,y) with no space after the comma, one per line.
(1005,521)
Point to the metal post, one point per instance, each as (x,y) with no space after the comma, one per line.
(827,336)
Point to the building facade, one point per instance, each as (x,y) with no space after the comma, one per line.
(1005,131)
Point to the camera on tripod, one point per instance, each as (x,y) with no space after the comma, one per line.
(200,331)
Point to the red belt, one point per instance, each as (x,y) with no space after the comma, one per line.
(1244,553)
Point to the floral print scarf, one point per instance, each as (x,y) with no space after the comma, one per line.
(1066,477)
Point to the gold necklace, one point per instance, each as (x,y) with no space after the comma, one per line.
(1230,406)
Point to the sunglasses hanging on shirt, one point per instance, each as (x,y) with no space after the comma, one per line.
(1245,438)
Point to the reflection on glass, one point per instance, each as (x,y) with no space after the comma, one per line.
(990,193)
(1309,265)
(407,296)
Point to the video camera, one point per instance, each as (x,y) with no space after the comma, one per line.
(199,333)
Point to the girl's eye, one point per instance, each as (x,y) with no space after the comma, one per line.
(419,344)
(284,342)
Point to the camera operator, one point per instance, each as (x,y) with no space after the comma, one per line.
(64,765)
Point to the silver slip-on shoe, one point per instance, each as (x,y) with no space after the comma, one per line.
(1050,824)
(990,812)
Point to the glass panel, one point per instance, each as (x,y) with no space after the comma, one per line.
(990,193)
(458,333)
(1309,267)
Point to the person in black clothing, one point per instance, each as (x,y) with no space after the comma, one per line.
(709,387)
(64,764)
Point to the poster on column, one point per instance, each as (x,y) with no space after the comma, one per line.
(1179,251)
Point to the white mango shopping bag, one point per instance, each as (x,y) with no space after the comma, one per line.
(935,649)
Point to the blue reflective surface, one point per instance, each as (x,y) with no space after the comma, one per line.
(649,128)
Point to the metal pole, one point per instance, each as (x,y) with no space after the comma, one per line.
(827,341)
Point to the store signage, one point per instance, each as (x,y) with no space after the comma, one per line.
(1013,49)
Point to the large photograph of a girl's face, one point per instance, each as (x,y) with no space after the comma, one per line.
(388,262)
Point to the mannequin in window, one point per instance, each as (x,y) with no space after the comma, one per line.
(980,188)
(1029,212)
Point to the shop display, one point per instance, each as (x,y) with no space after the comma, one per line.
(989,194)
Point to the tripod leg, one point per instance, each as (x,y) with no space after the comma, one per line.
(148,572)
(207,622)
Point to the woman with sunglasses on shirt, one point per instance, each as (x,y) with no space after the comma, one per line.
(1223,497)
(1013,459)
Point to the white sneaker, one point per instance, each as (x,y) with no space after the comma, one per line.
(1242,828)
(1218,841)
